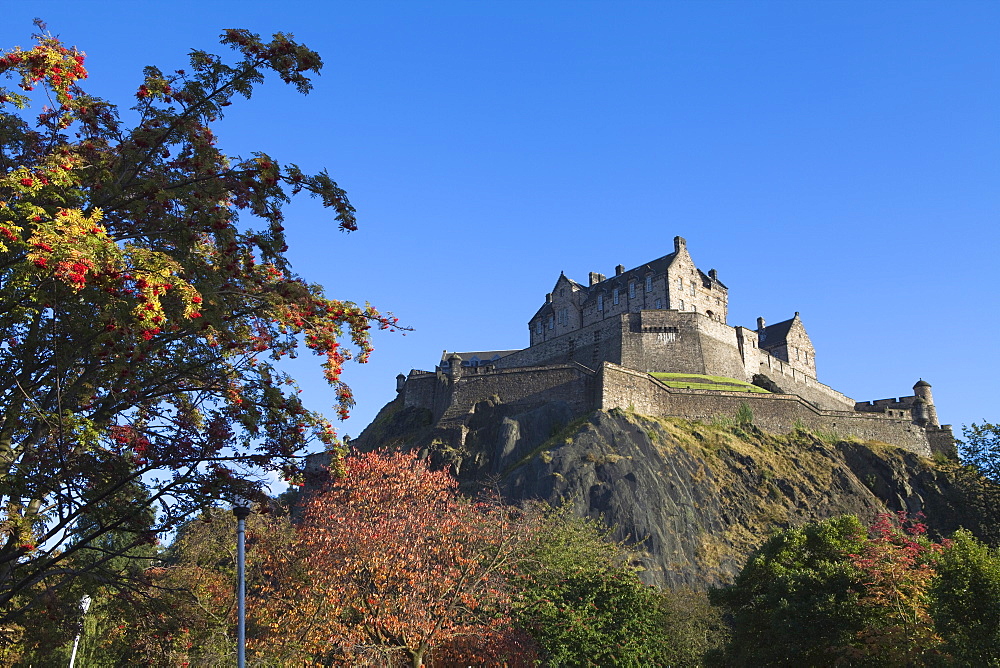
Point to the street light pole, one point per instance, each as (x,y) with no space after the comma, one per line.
(241,509)
(84,606)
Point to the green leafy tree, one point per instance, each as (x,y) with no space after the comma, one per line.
(966,600)
(586,606)
(980,448)
(797,598)
(837,592)
(143,314)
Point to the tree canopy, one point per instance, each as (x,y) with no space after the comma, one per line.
(145,299)
(837,592)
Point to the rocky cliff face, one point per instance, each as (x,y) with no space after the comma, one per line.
(694,499)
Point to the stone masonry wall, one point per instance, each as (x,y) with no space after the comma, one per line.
(520,388)
(677,342)
(627,389)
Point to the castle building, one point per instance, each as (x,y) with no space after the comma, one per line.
(613,342)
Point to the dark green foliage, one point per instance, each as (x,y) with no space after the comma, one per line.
(981,449)
(838,593)
(796,597)
(966,601)
(979,478)
(586,607)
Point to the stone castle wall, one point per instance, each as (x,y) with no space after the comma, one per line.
(779,413)
(453,401)
(522,389)
(676,342)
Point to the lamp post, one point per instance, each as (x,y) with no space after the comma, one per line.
(84,606)
(241,509)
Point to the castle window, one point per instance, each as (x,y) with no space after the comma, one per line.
(600,302)
(552,322)
(649,283)
(562,292)
(680,283)
(563,316)
(631,290)
(682,304)
(659,303)
(692,289)
(539,327)
(614,295)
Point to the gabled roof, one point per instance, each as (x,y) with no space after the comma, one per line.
(544,309)
(708,279)
(638,274)
(776,334)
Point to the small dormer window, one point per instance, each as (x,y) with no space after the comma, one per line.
(614,295)
(649,283)
(600,302)
(631,290)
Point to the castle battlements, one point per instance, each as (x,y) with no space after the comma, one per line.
(594,347)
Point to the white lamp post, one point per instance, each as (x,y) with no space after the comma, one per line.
(84,606)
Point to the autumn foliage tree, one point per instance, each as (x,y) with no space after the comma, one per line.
(145,296)
(840,593)
(390,565)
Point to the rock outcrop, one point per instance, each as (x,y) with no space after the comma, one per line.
(694,499)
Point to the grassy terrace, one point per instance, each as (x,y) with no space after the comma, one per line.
(697,381)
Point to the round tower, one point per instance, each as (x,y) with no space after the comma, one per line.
(919,412)
(922,390)
(455,366)
(400,382)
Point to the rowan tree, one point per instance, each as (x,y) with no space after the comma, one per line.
(392,566)
(145,298)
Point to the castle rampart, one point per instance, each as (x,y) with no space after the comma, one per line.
(779,413)
(614,386)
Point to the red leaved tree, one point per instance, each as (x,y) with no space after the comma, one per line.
(897,568)
(391,564)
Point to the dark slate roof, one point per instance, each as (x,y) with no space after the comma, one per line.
(482,355)
(544,309)
(776,334)
(705,278)
(638,275)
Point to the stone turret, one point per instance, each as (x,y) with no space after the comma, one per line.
(922,390)
(455,366)
(919,412)
(400,382)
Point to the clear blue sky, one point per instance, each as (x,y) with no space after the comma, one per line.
(841,159)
